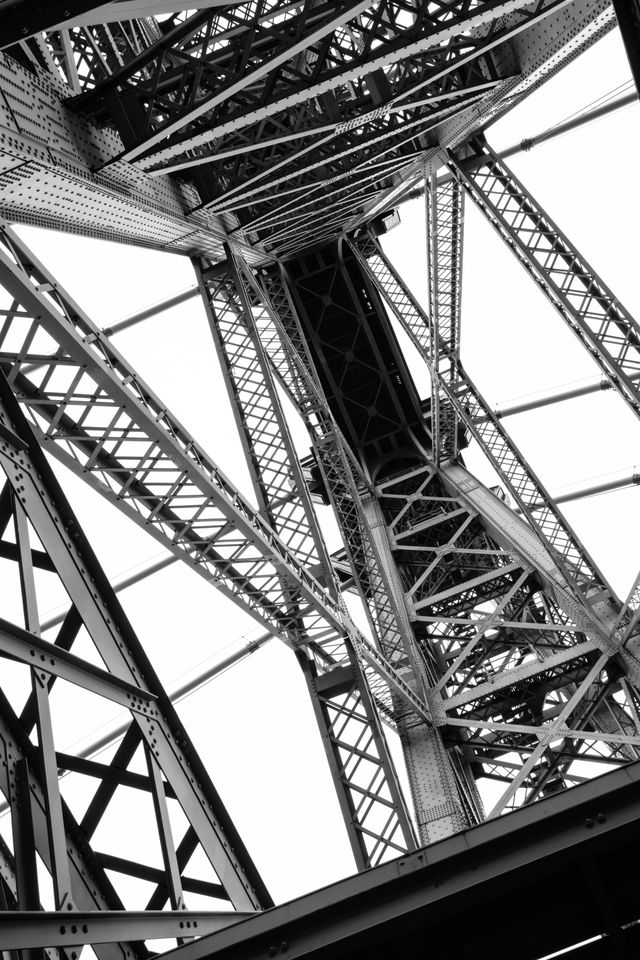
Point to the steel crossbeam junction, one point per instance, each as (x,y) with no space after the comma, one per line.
(271,142)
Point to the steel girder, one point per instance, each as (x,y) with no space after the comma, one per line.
(33,929)
(370,797)
(319,121)
(48,176)
(585,303)
(301,55)
(573,843)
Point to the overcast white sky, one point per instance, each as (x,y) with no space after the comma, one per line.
(253,725)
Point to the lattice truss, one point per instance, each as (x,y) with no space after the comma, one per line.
(292,121)
(83,55)
(495,651)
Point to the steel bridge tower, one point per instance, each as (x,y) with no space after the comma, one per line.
(271,142)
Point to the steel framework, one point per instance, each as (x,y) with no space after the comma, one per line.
(270,141)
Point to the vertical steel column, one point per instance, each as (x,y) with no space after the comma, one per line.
(40,687)
(24,839)
(444,219)
(167,848)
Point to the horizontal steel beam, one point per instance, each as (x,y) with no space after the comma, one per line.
(545,136)
(151,311)
(569,125)
(632,479)
(24,929)
(27,648)
(121,585)
(557,397)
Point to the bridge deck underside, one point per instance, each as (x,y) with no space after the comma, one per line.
(356,355)
(555,872)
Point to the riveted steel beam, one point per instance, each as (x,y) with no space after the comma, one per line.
(29,929)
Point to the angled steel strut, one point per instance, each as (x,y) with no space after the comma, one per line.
(585,303)
(370,796)
(41,822)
